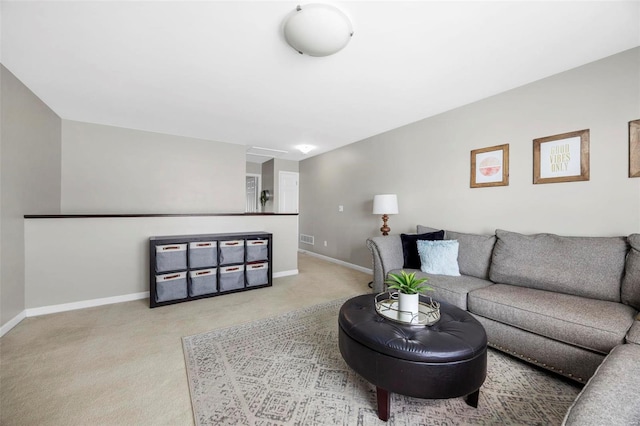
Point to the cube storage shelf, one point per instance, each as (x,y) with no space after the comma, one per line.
(190,267)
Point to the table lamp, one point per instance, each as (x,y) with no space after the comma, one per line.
(385,205)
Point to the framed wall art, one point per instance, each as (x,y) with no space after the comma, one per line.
(561,158)
(490,166)
(634,148)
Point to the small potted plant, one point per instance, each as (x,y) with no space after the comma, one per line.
(409,288)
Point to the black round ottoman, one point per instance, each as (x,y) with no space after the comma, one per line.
(445,360)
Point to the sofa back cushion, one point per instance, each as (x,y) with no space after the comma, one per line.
(474,252)
(582,266)
(630,293)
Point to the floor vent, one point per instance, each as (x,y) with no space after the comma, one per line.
(306,239)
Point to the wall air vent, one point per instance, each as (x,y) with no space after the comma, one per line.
(306,239)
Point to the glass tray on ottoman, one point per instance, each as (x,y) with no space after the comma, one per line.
(387,306)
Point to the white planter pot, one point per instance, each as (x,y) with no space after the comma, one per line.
(408,304)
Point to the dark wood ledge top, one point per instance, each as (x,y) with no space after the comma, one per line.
(96,216)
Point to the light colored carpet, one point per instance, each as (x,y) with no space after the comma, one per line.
(123,364)
(287,370)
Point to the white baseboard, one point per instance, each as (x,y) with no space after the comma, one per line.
(285,273)
(339,262)
(52,309)
(12,323)
(44,310)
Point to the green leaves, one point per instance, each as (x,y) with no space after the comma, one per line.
(407,283)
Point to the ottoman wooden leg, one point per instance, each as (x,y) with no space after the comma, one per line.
(472,399)
(383,403)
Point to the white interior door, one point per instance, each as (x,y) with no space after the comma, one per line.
(253,191)
(288,192)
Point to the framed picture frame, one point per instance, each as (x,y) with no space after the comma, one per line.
(490,166)
(634,148)
(561,158)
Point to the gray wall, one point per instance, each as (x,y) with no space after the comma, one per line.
(109,258)
(29,181)
(268,168)
(427,164)
(254,168)
(109,169)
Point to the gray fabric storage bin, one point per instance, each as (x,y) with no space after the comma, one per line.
(171,286)
(257,274)
(231,277)
(203,254)
(172,257)
(257,250)
(231,252)
(203,281)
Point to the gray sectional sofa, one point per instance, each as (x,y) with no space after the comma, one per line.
(563,303)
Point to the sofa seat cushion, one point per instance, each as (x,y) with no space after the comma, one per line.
(588,323)
(450,289)
(582,266)
(633,335)
(611,395)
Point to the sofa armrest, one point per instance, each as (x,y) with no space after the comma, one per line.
(387,255)
(633,335)
(610,396)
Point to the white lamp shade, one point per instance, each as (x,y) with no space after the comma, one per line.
(317,29)
(385,204)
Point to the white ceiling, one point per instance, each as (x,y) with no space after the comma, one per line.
(222,70)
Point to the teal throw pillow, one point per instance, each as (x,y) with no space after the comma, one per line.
(439,257)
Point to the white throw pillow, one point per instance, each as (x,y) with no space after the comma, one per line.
(439,257)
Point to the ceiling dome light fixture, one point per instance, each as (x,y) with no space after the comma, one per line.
(317,29)
(305,149)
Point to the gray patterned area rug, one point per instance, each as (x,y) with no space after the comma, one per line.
(287,370)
